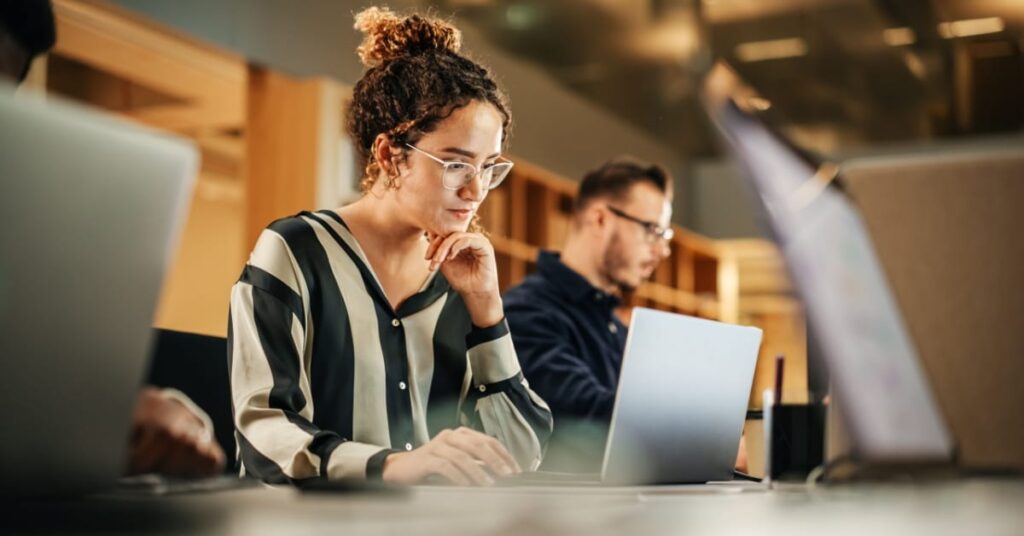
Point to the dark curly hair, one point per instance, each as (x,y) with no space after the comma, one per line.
(415,79)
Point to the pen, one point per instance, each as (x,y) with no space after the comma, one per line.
(780,368)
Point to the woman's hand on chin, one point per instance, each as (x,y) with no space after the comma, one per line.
(467,262)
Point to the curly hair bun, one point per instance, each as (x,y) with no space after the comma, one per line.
(390,36)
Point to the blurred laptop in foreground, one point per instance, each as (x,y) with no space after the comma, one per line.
(92,211)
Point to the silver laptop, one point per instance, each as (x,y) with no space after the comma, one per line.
(681,401)
(680,405)
(92,209)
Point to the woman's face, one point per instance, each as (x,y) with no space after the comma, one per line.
(471,134)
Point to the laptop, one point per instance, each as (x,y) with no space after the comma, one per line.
(680,405)
(92,209)
(888,405)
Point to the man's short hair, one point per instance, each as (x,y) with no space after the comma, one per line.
(615,178)
(30,23)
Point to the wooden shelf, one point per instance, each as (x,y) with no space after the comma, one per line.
(206,86)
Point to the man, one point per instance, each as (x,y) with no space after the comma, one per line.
(562,318)
(170,434)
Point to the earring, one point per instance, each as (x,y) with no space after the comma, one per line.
(392,180)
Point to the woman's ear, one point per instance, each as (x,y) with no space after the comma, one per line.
(386,155)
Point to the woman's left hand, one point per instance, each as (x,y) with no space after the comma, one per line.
(467,262)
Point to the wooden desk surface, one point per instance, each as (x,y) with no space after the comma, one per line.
(960,507)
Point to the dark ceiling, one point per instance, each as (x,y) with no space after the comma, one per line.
(834,74)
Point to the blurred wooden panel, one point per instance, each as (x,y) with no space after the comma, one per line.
(196,289)
(543,208)
(494,212)
(112,59)
(684,266)
(785,334)
(285,142)
(210,83)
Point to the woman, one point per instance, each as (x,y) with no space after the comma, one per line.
(362,338)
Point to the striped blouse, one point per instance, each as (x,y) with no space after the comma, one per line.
(327,378)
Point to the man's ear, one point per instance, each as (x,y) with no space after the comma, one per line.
(596,218)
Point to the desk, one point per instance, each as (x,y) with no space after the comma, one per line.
(961,507)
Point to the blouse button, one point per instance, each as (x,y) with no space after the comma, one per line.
(408,446)
(395,322)
(612,327)
(483,388)
(401,385)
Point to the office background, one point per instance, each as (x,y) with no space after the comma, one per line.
(261,85)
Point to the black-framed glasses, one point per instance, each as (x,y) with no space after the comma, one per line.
(652,230)
(457,174)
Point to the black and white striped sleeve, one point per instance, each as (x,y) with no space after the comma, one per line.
(500,402)
(269,368)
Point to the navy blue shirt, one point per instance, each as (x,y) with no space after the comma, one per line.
(570,346)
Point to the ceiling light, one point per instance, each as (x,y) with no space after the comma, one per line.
(771,50)
(969,27)
(674,38)
(897,37)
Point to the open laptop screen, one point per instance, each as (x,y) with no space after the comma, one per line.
(887,402)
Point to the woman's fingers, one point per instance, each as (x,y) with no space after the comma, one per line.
(465,243)
(465,462)
(444,249)
(435,241)
(503,453)
(479,446)
(441,253)
(442,466)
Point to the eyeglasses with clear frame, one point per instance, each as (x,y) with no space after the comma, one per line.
(652,231)
(457,174)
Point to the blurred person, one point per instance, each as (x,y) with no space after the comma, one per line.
(27,30)
(562,318)
(170,435)
(369,341)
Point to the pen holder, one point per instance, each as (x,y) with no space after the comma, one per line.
(794,439)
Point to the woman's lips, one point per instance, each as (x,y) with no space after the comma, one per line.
(461,214)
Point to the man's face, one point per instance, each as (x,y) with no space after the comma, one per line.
(632,252)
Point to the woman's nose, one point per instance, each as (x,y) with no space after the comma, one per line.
(473,190)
